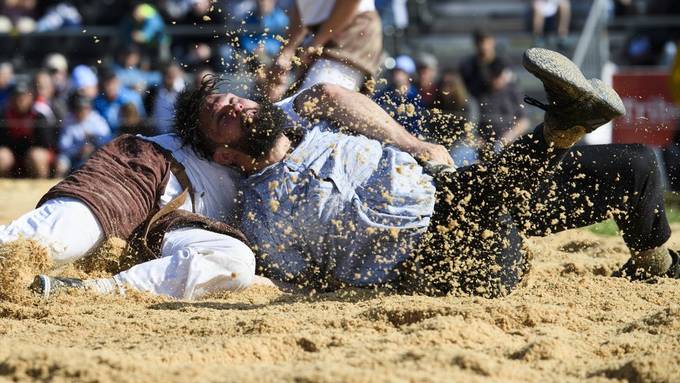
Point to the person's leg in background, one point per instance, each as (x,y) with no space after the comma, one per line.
(538,21)
(37,162)
(6,162)
(563,19)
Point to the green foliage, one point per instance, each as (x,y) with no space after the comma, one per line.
(609,228)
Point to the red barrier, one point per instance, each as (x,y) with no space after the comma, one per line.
(651,116)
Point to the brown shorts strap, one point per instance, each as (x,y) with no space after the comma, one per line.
(181,174)
(171,206)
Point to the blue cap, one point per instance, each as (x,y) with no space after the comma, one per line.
(83,77)
(405,63)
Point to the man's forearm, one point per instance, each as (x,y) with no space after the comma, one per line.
(355,112)
(296,31)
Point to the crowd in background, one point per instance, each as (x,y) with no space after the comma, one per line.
(52,119)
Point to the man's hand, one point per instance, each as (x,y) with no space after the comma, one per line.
(310,54)
(433,153)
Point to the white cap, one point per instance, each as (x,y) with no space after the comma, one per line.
(56,61)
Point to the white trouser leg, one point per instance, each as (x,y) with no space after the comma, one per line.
(65,226)
(332,72)
(193,263)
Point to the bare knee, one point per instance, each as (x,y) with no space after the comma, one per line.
(6,161)
(37,162)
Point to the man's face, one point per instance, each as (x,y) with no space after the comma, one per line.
(426,75)
(486,47)
(6,75)
(170,76)
(82,112)
(400,79)
(265,7)
(111,88)
(43,85)
(131,60)
(222,118)
(24,102)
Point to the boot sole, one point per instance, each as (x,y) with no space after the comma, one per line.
(562,76)
(41,285)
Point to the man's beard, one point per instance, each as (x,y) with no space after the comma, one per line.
(260,140)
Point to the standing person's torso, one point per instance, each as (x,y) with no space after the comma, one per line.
(20,128)
(313,12)
(476,76)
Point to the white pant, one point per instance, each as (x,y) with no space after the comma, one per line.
(332,72)
(193,262)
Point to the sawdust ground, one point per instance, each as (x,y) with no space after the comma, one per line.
(569,323)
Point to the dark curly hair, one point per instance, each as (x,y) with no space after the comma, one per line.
(186,119)
(261,130)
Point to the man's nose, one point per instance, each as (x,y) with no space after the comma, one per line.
(237,107)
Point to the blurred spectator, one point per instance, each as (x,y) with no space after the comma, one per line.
(454,127)
(427,67)
(671,153)
(175,9)
(263,30)
(17,15)
(649,45)
(501,116)
(475,69)
(451,99)
(112,97)
(50,109)
(198,55)
(549,16)
(6,83)
(28,145)
(200,74)
(146,28)
(62,15)
(622,7)
(132,123)
(84,131)
(488,79)
(238,10)
(100,12)
(394,16)
(84,81)
(57,66)
(129,71)
(344,48)
(199,49)
(204,12)
(162,99)
(400,97)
